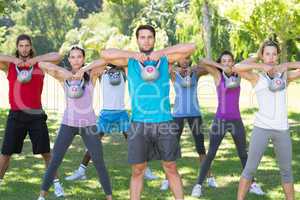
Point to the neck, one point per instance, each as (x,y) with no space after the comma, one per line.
(147,52)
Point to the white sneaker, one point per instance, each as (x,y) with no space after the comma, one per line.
(211,182)
(77,175)
(197,191)
(41,198)
(164,185)
(149,175)
(256,189)
(58,190)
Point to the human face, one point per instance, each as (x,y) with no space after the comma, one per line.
(146,41)
(184,66)
(227,61)
(76,59)
(24,47)
(270,55)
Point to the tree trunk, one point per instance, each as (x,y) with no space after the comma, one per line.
(206,29)
(283,57)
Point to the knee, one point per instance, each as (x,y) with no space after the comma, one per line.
(138,170)
(5,158)
(46,156)
(170,167)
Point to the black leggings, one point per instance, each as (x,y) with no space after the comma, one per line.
(195,124)
(218,131)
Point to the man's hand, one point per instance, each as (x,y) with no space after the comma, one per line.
(30,62)
(140,57)
(155,55)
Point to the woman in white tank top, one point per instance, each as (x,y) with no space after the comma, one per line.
(271,121)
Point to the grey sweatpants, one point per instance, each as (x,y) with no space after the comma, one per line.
(91,140)
(283,149)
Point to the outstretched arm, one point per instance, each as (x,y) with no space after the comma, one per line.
(174,53)
(212,68)
(293,74)
(244,69)
(5,60)
(120,57)
(52,57)
(56,71)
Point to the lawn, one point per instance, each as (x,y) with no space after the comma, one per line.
(23,180)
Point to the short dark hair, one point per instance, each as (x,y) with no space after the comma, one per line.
(145,27)
(223,54)
(24,37)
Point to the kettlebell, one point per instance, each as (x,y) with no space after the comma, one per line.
(149,71)
(232,81)
(74,90)
(185,81)
(114,77)
(277,83)
(24,75)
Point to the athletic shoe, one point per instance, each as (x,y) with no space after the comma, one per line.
(211,182)
(197,191)
(164,185)
(41,198)
(256,189)
(58,190)
(149,175)
(77,175)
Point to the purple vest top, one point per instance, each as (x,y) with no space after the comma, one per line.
(228,102)
(79,112)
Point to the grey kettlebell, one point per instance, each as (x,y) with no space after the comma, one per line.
(277,83)
(74,90)
(185,81)
(232,81)
(149,72)
(24,75)
(114,77)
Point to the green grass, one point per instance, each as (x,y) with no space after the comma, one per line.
(23,180)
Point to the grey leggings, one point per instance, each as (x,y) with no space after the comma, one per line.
(64,139)
(283,149)
(218,131)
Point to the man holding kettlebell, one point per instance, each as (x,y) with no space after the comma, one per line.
(26,115)
(152,135)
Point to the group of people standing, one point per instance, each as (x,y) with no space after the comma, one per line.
(152,132)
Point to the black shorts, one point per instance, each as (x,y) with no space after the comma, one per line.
(153,141)
(18,124)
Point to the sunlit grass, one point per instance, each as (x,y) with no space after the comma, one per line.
(23,179)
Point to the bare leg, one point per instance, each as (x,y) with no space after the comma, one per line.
(243,188)
(4,163)
(174,179)
(289,191)
(137,180)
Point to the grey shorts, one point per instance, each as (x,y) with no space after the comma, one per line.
(153,141)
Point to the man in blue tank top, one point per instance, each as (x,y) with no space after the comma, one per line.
(152,135)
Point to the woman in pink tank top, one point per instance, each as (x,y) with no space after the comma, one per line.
(79,117)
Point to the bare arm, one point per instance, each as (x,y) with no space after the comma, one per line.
(175,53)
(200,71)
(96,68)
(293,75)
(52,57)
(212,68)
(120,57)
(244,69)
(56,71)
(5,60)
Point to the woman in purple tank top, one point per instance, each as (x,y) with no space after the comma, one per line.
(79,118)
(227,118)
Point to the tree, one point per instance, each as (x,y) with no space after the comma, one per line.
(46,21)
